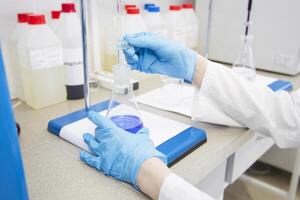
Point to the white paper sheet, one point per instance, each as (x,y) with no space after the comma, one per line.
(178,98)
(161,129)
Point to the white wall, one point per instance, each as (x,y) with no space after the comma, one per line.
(275,29)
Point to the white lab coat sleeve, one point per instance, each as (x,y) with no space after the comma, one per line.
(275,114)
(175,188)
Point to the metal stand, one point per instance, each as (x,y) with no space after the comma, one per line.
(83,14)
(208,31)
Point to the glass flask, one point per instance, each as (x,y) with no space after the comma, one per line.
(244,64)
(123,109)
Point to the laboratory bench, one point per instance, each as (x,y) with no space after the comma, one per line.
(54,171)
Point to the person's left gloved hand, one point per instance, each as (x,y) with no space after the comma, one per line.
(118,153)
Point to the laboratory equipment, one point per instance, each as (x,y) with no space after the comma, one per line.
(12,182)
(192,26)
(176,24)
(244,64)
(42,69)
(69,33)
(123,109)
(19,31)
(155,21)
(86,69)
(54,20)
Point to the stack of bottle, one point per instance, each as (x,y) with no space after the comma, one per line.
(179,24)
(47,60)
(47,57)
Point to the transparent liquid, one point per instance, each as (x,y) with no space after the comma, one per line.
(16,70)
(44,87)
(109,60)
(128,123)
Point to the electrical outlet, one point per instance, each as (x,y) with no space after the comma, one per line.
(280,60)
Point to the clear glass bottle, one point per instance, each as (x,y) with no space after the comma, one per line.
(123,109)
(244,64)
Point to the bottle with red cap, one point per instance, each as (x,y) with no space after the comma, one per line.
(192,25)
(155,21)
(69,33)
(133,22)
(176,24)
(14,65)
(42,69)
(55,14)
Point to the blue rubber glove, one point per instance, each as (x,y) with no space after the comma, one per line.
(150,53)
(118,153)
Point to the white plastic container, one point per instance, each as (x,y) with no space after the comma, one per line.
(54,24)
(176,24)
(192,25)
(19,31)
(133,22)
(155,22)
(42,68)
(69,33)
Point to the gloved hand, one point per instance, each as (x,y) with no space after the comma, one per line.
(118,153)
(150,53)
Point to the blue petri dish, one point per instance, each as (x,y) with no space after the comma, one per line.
(130,123)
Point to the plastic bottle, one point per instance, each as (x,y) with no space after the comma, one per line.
(40,53)
(133,22)
(155,22)
(19,31)
(176,24)
(192,25)
(69,33)
(54,20)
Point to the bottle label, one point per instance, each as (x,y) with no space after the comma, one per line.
(46,58)
(73,60)
(179,35)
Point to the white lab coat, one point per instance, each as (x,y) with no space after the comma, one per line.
(275,114)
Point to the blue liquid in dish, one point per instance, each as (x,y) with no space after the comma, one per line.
(128,123)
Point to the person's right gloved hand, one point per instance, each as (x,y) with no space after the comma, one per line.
(150,53)
(117,152)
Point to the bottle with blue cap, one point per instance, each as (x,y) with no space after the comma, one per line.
(147,5)
(155,22)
